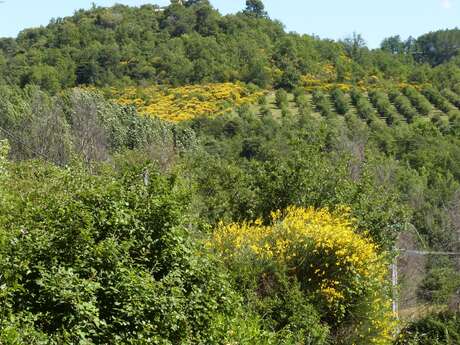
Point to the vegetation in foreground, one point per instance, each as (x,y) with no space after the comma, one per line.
(182,177)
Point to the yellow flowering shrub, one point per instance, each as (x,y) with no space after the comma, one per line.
(186,102)
(418,87)
(342,271)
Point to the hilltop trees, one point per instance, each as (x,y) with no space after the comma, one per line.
(193,43)
(255,8)
(394,45)
(438,47)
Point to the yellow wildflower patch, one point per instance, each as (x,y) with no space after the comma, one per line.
(186,102)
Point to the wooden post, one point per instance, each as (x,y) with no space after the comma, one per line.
(394,284)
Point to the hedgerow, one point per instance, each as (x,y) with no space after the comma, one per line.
(364,108)
(380,101)
(418,100)
(104,259)
(403,105)
(437,99)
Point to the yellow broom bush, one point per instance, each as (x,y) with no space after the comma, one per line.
(186,102)
(343,272)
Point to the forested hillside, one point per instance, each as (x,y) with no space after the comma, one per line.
(193,43)
(175,176)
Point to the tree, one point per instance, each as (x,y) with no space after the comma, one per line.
(255,8)
(393,45)
(354,45)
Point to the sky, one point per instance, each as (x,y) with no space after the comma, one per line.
(335,19)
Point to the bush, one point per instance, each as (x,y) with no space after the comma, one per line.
(297,92)
(322,104)
(441,282)
(363,106)
(437,99)
(441,329)
(281,98)
(303,104)
(104,259)
(384,107)
(340,101)
(285,112)
(403,105)
(262,100)
(341,271)
(418,100)
(265,111)
(452,97)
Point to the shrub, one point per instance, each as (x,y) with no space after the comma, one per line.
(452,97)
(456,88)
(441,329)
(441,123)
(403,105)
(285,112)
(186,102)
(441,282)
(341,271)
(265,111)
(104,259)
(322,103)
(303,104)
(281,98)
(363,106)
(297,92)
(437,99)
(384,107)
(439,285)
(418,100)
(262,100)
(340,101)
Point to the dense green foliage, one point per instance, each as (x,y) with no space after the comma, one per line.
(322,103)
(381,102)
(403,105)
(236,167)
(363,106)
(91,258)
(442,329)
(193,43)
(418,100)
(340,101)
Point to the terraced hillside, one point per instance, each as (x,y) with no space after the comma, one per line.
(390,106)
(395,106)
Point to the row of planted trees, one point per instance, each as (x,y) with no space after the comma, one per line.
(393,106)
